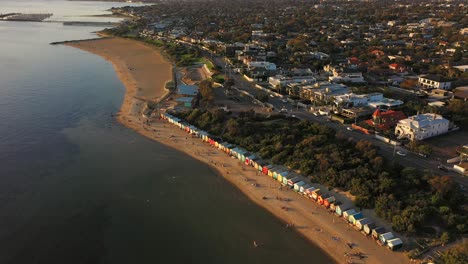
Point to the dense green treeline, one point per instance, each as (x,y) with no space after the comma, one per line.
(411,200)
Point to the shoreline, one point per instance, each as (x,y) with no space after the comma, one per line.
(315,224)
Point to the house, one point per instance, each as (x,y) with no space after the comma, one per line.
(433,82)
(320,55)
(384,120)
(422,126)
(230,49)
(461,93)
(185,101)
(323,91)
(374,100)
(462,68)
(461,168)
(280,81)
(189,90)
(347,75)
(261,64)
(356,112)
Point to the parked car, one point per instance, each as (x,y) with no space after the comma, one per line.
(349,128)
(442,168)
(401,153)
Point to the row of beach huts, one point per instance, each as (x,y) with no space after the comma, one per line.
(296,182)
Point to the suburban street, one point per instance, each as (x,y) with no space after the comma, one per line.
(387,151)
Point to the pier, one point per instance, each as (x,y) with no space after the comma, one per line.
(25,17)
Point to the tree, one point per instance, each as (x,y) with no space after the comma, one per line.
(456,255)
(206,92)
(232,127)
(445,238)
(442,185)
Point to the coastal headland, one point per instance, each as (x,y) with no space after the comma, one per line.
(144,72)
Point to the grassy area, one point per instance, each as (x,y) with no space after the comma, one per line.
(219,78)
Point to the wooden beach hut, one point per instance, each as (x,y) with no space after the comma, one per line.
(368,228)
(308,191)
(202,134)
(329,201)
(304,187)
(394,244)
(333,206)
(240,153)
(354,217)
(315,194)
(260,164)
(298,185)
(244,156)
(385,237)
(340,209)
(249,160)
(361,222)
(278,170)
(293,181)
(376,232)
(322,197)
(271,171)
(234,152)
(286,178)
(347,213)
(281,175)
(266,169)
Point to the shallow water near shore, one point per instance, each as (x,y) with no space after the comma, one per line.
(78,187)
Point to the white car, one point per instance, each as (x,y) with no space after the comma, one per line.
(349,128)
(401,153)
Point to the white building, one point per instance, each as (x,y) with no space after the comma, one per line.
(320,55)
(262,64)
(282,81)
(374,100)
(340,74)
(419,127)
(433,82)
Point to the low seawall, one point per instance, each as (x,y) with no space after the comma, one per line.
(76,41)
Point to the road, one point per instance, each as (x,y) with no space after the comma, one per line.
(384,149)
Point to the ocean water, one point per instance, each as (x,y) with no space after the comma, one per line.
(77,187)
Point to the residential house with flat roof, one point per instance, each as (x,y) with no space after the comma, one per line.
(434,82)
(422,126)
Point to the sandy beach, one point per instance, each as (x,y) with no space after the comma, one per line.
(144,72)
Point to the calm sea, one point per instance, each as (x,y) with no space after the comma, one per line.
(77,187)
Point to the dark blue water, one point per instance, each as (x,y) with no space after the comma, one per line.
(77,187)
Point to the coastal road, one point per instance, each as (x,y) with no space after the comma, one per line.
(384,149)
